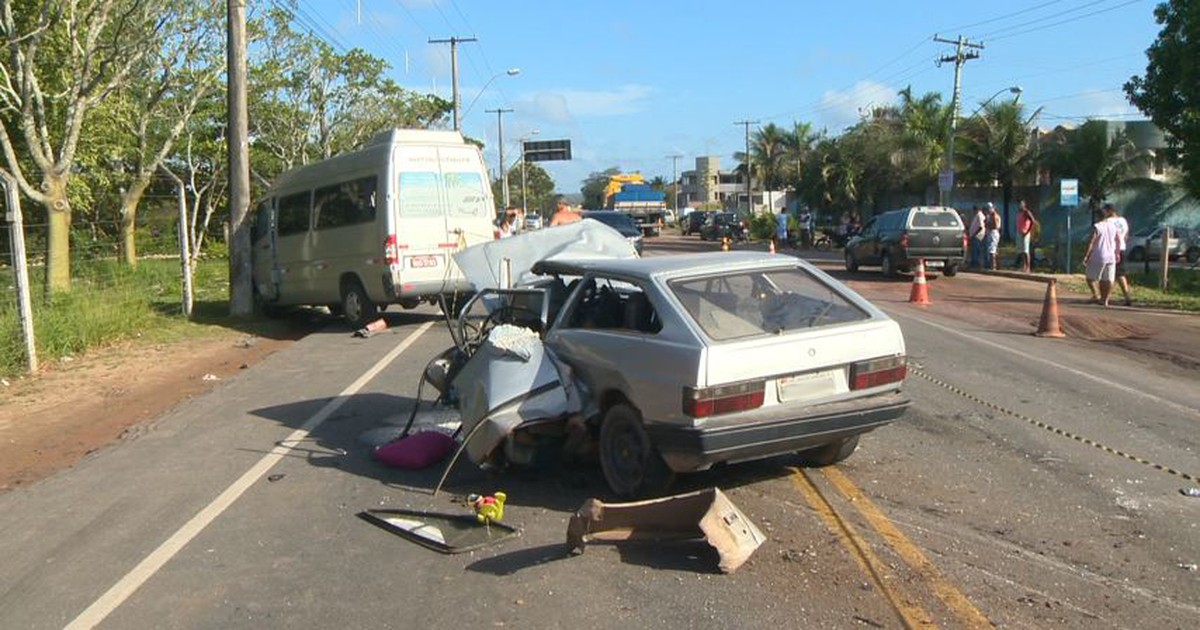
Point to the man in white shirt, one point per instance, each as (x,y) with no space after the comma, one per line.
(976,234)
(1122,230)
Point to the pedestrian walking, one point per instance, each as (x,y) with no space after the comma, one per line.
(977,235)
(508,225)
(991,222)
(1122,228)
(1025,224)
(1100,259)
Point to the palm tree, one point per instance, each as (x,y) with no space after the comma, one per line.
(1101,164)
(997,147)
(924,122)
(797,144)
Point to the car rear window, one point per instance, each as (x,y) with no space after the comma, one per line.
(936,220)
(761,302)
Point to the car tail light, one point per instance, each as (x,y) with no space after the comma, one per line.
(904,239)
(712,401)
(391,253)
(876,372)
(964,240)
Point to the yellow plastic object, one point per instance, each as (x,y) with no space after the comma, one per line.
(490,508)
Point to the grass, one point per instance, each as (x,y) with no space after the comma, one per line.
(109,303)
(1182,294)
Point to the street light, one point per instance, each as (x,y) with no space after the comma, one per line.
(524,191)
(1016,89)
(512,72)
(946,192)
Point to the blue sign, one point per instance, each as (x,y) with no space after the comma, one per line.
(1069,192)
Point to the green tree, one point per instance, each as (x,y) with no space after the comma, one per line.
(1170,91)
(797,144)
(997,146)
(593,187)
(1102,164)
(59,62)
(924,122)
(538,185)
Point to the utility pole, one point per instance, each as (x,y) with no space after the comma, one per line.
(241,282)
(675,180)
(746,124)
(965,51)
(16,235)
(500,112)
(454,41)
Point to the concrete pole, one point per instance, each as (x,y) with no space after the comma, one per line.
(16,235)
(500,137)
(454,41)
(241,273)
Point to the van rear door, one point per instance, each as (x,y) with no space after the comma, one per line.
(422,239)
(469,207)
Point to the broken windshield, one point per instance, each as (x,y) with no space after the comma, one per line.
(751,303)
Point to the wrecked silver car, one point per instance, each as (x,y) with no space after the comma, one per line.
(664,365)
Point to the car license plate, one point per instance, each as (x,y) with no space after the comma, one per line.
(934,264)
(422,262)
(808,386)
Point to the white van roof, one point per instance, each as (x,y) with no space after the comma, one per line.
(416,136)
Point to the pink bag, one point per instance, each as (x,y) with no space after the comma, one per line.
(417,451)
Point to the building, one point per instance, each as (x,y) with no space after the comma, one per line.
(708,187)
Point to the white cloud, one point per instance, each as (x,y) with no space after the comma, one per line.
(562,106)
(840,109)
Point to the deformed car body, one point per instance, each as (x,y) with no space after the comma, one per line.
(683,362)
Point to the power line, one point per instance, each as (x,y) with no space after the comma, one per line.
(1067,20)
(1001,17)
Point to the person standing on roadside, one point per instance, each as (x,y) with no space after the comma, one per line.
(991,222)
(781,228)
(805,221)
(976,233)
(508,224)
(1122,227)
(1025,224)
(1100,259)
(563,214)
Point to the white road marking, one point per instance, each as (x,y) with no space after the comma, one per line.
(1097,379)
(140,574)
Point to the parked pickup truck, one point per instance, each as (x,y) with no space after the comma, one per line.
(895,240)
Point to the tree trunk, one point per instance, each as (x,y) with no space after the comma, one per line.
(58,241)
(129,207)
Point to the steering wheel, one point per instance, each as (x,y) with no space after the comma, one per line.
(474,334)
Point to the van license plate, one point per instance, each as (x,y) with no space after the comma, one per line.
(422,262)
(933,264)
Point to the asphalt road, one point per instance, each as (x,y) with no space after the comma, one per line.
(1034,483)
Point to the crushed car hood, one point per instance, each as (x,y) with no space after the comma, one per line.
(482,263)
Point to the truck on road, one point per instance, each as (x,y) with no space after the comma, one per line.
(630,194)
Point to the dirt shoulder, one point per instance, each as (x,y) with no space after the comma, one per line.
(75,407)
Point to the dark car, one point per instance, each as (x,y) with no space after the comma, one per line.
(620,222)
(896,240)
(692,222)
(719,225)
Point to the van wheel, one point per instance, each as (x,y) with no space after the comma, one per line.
(851,261)
(888,266)
(357,308)
(830,453)
(632,466)
(265,307)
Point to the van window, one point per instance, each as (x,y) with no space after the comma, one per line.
(262,222)
(467,193)
(936,220)
(293,213)
(346,203)
(419,195)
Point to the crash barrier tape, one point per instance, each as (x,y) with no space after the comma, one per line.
(1053,429)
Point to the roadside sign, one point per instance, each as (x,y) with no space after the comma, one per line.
(945,180)
(1069,192)
(547,150)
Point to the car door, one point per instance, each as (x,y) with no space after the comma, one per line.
(867,250)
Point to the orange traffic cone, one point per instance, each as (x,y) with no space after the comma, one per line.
(1048,326)
(771,246)
(920,290)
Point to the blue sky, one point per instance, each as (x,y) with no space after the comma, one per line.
(631,83)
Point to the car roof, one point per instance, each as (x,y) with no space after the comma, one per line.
(667,267)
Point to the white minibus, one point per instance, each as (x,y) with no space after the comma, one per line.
(373,227)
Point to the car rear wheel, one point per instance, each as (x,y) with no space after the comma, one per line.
(888,265)
(851,261)
(830,453)
(357,308)
(632,466)
(950,270)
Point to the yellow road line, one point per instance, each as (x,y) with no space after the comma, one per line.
(911,615)
(967,613)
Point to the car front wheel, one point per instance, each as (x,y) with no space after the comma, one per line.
(632,466)
(851,261)
(830,453)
